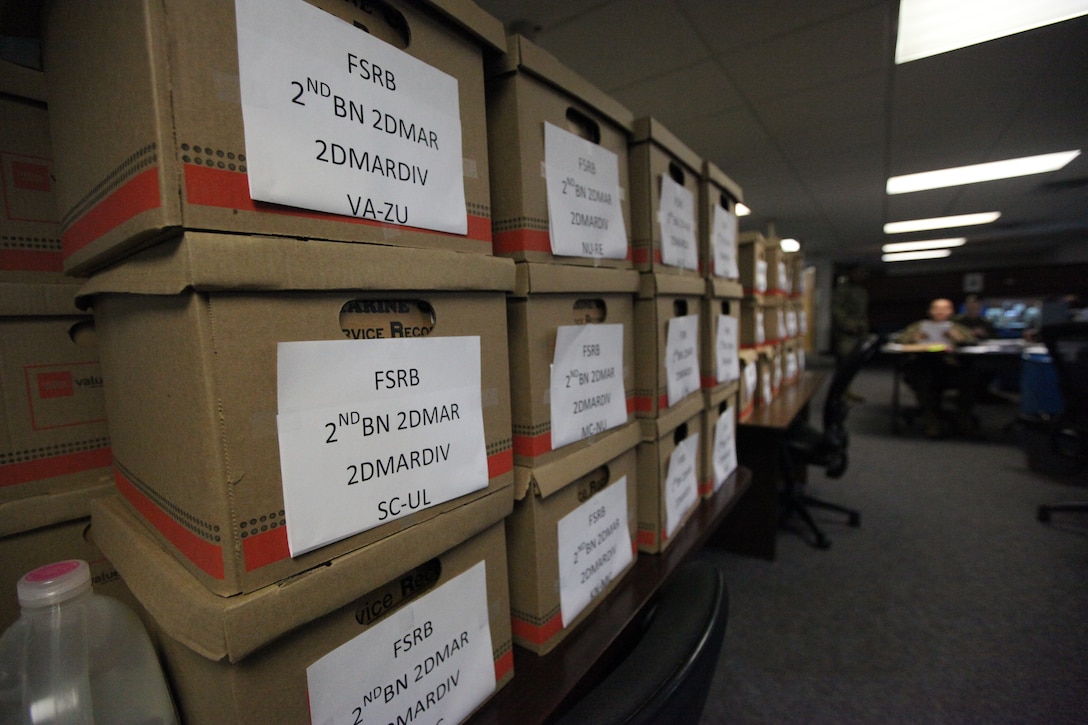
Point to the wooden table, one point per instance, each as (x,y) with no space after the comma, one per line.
(547,684)
(752,527)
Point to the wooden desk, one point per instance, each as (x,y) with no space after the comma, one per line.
(752,527)
(548,684)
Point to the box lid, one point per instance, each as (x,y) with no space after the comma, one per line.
(471,17)
(536,278)
(231,628)
(716,176)
(204,261)
(668,420)
(31,299)
(17,80)
(725,288)
(555,475)
(653,284)
(524,55)
(649,130)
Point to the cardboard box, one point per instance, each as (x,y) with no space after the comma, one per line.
(753,323)
(718,199)
(547,297)
(752,260)
(29,225)
(544,544)
(723,299)
(720,447)
(654,154)
(795,266)
(190,332)
(769,368)
(669,463)
(526,89)
(779,283)
(663,300)
(27,550)
(247,659)
(775,329)
(748,393)
(148,134)
(54,440)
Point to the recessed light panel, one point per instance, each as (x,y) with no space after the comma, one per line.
(976,173)
(926,244)
(943,222)
(911,256)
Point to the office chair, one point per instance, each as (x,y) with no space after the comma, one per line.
(1067,343)
(805,445)
(665,677)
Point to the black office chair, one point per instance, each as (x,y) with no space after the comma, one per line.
(666,675)
(805,445)
(1067,344)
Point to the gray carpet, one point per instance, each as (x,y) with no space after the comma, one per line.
(950,604)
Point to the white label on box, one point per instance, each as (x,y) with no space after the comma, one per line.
(767,389)
(374,430)
(341,122)
(585,217)
(682,357)
(761,276)
(791,322)
(676,215)
(783,331)
(802,322)
(431,661)
(791,365)
(727,360)
(783,281)
(723,240)
(751,380)
(593,546)
(761,333)
(681,483)
(587,394)
(725,447)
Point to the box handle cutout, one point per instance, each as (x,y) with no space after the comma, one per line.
(594,481)
(727,201)
(84,334)
(581,124)
(723,407)
(680,433)
(679,308)
(387,23)
(726,307)
(676,173)
(590,310)
(377,319)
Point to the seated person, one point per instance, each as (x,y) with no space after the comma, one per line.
(931,373)
(973,319)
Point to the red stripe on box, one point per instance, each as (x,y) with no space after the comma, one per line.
(500,463)
(230,190)
(537,634)
(137,195)
(40,469)
(533,445)
(747,411)
(708,381)
(17,260)
(522,240)
(646,538)
(706,488)
(265,548)
(504,664)
(208,557)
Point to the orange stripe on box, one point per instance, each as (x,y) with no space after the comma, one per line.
(708,381)
(748,410)
(137,195)
(646,537)
(706,488)
(537,634)
(265,548)
(15,260)
(500,463)
(207,556)
(522,240)
(230,190)
(504,664)
(43,468)
(644,403)
(533,445)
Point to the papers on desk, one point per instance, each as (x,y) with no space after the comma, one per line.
(915,347)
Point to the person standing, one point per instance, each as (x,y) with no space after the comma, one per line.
(849,317)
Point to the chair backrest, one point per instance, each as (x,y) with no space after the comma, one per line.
(835,406)
(666,676)
(1067,343)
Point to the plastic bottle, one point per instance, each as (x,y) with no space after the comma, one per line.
(74,656)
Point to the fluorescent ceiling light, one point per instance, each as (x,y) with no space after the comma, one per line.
(790,245)
(929,27)
(741,210)
(976,173)
(927,244)
(941,222)
(910,256)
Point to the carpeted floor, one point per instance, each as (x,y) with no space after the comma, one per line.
(950,604)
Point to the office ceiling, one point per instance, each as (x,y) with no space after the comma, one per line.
(801,104)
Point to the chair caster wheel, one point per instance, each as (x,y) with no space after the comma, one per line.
(855,520)
(1042,515)
(822,542)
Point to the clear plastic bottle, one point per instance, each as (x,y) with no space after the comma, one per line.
(74,656)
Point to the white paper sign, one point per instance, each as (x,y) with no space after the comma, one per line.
(766,387)
(587,393)
(373,430)
(761,332)
(723,240)
(761,276)
(681,357)
(341,122)
(783,280)
(725,447)
(783,330)
(676,215)
(585,216)
(594,546)
(726,358)
(751,380)
(429,662)
(791,365)
(681,483)
(791,322)
(802,322)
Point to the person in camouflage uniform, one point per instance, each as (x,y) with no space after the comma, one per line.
(849,317)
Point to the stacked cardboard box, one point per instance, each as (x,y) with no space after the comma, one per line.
(285,220)
(572,338)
